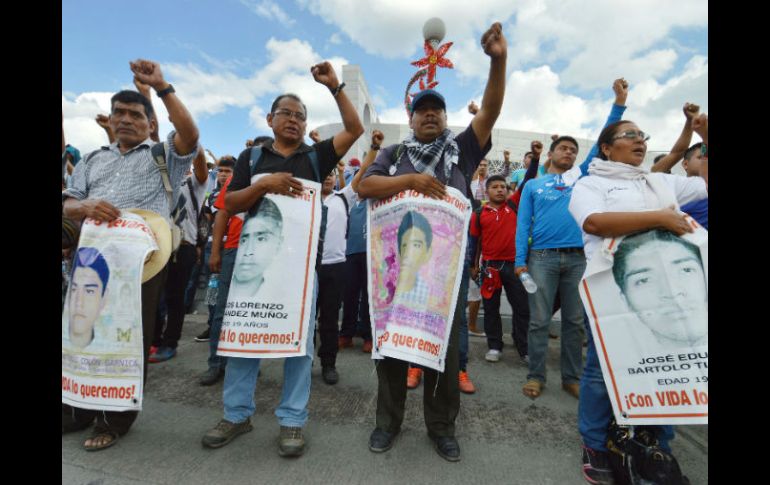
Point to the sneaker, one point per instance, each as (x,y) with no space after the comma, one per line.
(596,467)
(205,336)
(162,354)
(381,441)
(466,385)
(413,377)
(153,349)
(345,342)
(493,355)
(291,442)
(367,347)
(330,375)
(224,432)
(447,448)
(211,376)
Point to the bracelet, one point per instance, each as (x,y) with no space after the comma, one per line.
(337,90)
(170,89)
(375,147)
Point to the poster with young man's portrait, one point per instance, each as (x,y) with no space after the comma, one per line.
(102,354)
(646,296)
(416,252)
(271,292)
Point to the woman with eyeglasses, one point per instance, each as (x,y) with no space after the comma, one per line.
(619,198)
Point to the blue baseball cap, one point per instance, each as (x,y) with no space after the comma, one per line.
(426,94)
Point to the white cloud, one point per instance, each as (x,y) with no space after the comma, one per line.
(209,92)
(600,40)
(269,10)
(335,38)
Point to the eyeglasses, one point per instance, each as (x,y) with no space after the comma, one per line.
(631,135)
(290,114)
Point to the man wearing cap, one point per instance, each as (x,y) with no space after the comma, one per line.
(124,175)
(430,158)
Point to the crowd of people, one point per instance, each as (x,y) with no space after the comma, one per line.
(540,223)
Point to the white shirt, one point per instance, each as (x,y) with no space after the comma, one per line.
(596,194)
(337,224)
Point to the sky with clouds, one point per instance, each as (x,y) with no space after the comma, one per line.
(228,59)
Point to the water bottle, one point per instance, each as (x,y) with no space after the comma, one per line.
(213,290)
(528,282)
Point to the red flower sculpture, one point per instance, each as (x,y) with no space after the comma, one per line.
(432,59)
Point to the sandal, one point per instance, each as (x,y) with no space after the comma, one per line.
(100,435)
(532,389)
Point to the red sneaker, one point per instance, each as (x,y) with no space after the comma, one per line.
(466,385)
(367,347)
(413,377)
(345,342)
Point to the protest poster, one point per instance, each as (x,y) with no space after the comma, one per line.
(271,294)
(102,353)
(416,252)
(646,296)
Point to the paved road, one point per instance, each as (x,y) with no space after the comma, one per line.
(505,437)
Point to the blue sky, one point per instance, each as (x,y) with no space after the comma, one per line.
(229,58)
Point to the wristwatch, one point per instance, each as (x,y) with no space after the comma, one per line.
(168,90)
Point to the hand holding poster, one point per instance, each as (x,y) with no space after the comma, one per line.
(102,356)
(271,293)
(647,301)
(416,252)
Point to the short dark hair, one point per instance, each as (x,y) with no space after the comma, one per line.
(267,208)
(87,257)
(631,243)
(262,139)
(564,138)
(415,219)
(130,97)
(227,162)
(528,153)
(495,178)
(605,137)
(691,151)
(288,95)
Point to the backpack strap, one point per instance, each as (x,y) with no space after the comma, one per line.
(193,199)
(347,213)
(477,211)
(158,152)
(512,205)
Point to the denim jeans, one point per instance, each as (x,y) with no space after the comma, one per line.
(462,302)
(554,272)
(595,408)
(241,382)
(356,298)
(517,297)
(217,312)
(199,270)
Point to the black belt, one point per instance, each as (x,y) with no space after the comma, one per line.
(562,250)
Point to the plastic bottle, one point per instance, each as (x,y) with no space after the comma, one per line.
(528,282)
(213,290)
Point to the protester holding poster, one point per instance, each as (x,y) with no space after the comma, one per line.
(431,158)
(617,199)
(124,175)
(278,169)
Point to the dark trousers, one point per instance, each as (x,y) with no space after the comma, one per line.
(517,297)
(179,268)
(356,297)
(330,285)
(120,422)
(441,394)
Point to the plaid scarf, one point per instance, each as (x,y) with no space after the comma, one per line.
(426,156)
